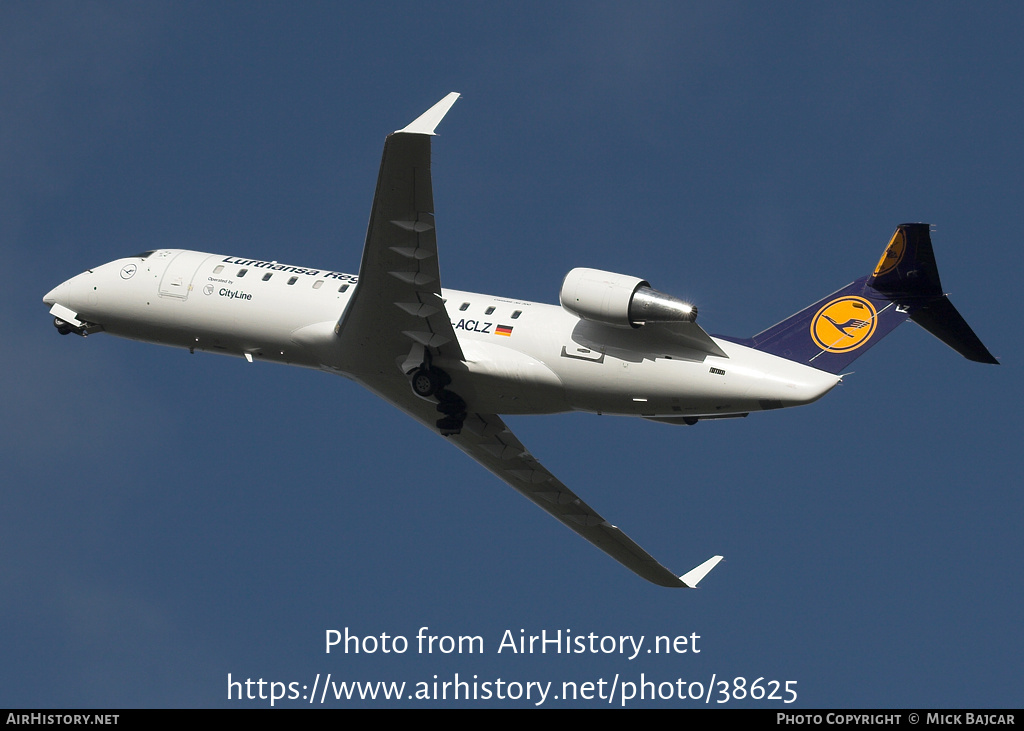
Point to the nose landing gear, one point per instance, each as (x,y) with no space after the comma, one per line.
(66,328)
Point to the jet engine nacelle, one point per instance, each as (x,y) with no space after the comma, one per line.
(620,300)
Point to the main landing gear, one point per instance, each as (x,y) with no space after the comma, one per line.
(428,382)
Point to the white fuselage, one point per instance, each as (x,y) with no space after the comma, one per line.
(520,357)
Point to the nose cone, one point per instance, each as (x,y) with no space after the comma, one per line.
(56,294)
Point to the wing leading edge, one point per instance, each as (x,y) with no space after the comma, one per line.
(396,319)
(396,309)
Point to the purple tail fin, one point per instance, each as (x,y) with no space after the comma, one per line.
(832,333)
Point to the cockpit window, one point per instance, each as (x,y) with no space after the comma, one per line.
(144,254)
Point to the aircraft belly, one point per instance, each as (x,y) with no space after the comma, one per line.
(502,380)
(650,388)
(776,382)
(670,387)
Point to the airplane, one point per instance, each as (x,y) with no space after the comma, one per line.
(456,360)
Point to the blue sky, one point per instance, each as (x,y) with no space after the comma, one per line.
(170,519)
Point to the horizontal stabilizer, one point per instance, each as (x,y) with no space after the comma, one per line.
(941,319)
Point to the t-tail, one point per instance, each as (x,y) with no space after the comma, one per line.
(832,333)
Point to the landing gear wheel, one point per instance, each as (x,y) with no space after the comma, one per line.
(450,426)
(450,403)
(62,327)
(426,382)
(453,407)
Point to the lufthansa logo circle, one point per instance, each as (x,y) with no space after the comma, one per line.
(208,289)
(844,324)
(893,254)
(128,271)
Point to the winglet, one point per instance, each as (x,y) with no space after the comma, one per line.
(692,577)
(426,122)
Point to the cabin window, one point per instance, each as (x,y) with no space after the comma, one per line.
(343,288)
(241,272)
(218,269)
(267,276)
(293,280)
(464,307)
(489,310)
(318,284)
(516,314)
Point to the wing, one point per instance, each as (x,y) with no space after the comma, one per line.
(396,319)
(487,439)
(396,310)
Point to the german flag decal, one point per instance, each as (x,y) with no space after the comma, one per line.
(505,330)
